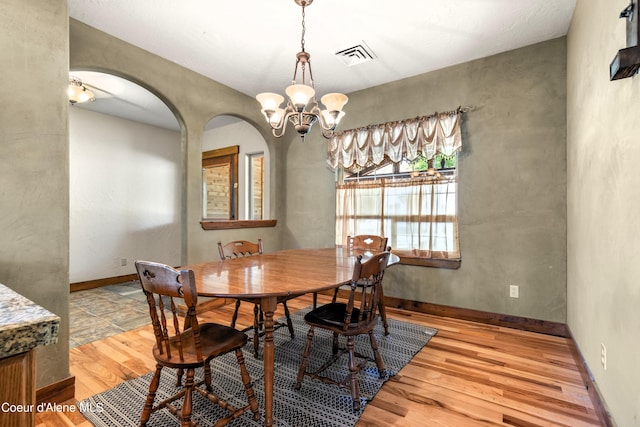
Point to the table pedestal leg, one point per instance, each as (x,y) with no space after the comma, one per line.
(268,306)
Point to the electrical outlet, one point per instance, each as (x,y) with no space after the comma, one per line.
(514,291)
(603,356)
(123,261)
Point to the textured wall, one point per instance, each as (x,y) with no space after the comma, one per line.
(125,195)
(603,242)
(34,166)
(512,181)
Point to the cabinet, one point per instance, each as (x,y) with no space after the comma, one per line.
(24,326)
(18,392)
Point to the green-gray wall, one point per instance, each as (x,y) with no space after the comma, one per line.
(512,187)
(34,165)
(603,240)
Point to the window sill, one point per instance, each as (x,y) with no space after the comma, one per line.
(238,223)
(413,258)
(431,262)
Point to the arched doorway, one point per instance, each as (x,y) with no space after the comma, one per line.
(125,180)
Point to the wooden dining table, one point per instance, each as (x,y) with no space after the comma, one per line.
(268,277)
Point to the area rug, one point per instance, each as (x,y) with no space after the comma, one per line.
(315,404)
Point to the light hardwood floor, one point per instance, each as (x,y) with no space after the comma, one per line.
(470,374)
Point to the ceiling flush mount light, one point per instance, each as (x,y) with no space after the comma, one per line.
(302,109)
(78,92)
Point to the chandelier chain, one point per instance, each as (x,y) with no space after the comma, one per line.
(303,30)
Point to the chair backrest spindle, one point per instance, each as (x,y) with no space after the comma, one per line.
(366,281)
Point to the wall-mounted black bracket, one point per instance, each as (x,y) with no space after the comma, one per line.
(627,61)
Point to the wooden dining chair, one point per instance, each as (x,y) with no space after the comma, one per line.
(355,317)
(240,248)
(192,347)
(372,243)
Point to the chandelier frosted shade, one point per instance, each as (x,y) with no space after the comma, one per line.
(270,101)
(334,101)
(271,110)
(300,95)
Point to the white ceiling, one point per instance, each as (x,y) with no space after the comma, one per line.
(250,45)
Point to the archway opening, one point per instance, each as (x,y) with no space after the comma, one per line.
(126,180)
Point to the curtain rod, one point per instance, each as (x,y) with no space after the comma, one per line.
(460,109)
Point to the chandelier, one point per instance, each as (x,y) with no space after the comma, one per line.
(302,109)
(78,92)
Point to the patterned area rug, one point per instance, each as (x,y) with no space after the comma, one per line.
(315,404)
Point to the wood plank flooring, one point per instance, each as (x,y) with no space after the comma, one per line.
(470,374)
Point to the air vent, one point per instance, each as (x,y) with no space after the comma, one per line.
(357,54)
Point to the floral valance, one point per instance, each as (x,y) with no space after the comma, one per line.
(407,139)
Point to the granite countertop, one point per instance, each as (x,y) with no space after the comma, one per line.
(24,324)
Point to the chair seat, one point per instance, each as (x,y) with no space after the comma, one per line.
(331,316)
(214,340)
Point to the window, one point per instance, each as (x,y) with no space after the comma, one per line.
(255,185)
(413,203)
(220,183)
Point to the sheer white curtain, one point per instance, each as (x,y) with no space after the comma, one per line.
(418,215)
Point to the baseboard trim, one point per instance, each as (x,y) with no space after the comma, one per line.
(509,321)
(596,398)
(57,392)
(516,322)
(97,283)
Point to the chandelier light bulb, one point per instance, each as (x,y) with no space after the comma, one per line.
(275,118)
(332,118)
